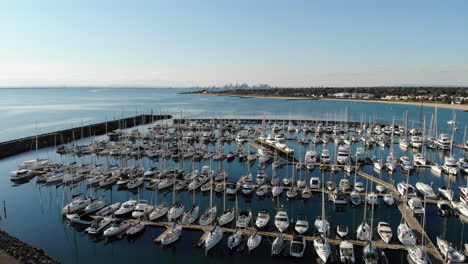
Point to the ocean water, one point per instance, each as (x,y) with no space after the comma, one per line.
(33,211)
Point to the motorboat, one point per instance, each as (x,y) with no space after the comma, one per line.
(385,231)
(419,159)
(406,189)
(461,207)
(344,184)
(142,209)
(247,187)
(126,208)
(231,188)
(172,235)
(22,174)
(244,218)
(339,197)
(325,156)
(76,219)
(359,186)
(342,231)
(262,220)
(314,183)
(380,188)
(436,169)
(117,227)
(452,255)
(346,252)
(98,225)
(292,192)
(301,226)
(281,220)
(406,163)
(297,246)
(391,163)
(416,205)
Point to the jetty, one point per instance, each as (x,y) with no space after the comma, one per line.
(17,146)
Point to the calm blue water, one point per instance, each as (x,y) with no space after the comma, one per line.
(33,211)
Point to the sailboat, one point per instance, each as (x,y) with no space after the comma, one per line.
(229,214)
(418,255)
(177,208)
(191,216)
(236,238)
(369,253)
(213,238)
(363,232)
(210,214)
(321,245)
(404,232)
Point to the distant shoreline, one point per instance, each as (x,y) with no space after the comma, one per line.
(440,105)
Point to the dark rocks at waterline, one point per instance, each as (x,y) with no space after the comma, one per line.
(22,251)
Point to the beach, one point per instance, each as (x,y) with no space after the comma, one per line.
(439,105)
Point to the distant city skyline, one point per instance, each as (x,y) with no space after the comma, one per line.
(212,43)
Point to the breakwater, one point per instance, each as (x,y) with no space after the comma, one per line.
(17,146)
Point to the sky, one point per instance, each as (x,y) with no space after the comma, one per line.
(283,43)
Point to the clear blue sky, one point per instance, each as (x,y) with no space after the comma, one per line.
(185,43)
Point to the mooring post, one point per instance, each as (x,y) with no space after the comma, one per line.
(4,209)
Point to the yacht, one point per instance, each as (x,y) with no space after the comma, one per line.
(443,142)
(159,211)
(191,216)
(339,197)
(450,166)
(416,141)
(363,232)
(355,198)
(343,155)
(176,211)
(98,225)
(247,187)
(419,159)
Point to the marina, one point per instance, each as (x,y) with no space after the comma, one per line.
(193,160)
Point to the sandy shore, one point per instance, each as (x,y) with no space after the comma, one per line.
(440,105)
